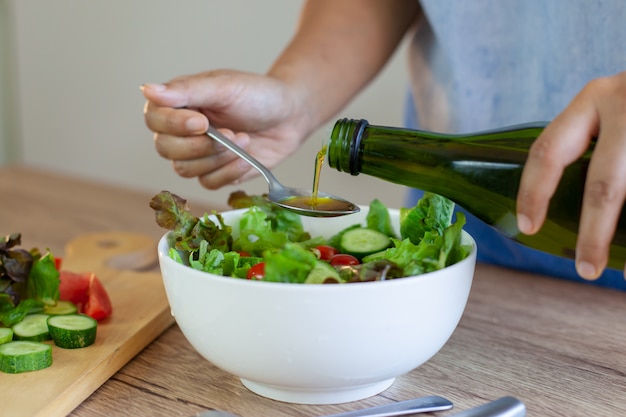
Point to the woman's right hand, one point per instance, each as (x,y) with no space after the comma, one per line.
(327,62)
(260,113)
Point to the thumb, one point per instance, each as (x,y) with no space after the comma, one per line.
(164,95)
(187,91)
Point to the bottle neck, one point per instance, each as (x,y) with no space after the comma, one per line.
(345,144)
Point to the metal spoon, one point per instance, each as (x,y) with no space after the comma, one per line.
(417,405)
(502,407)
(327,205)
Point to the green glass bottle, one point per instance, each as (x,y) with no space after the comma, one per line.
(480,172)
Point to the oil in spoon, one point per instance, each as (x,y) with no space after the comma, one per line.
(314,202)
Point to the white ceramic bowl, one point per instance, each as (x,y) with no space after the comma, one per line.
(317,344)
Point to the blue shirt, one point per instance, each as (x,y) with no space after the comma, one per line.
(482,64)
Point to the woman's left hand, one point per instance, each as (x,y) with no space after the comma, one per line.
(599,110)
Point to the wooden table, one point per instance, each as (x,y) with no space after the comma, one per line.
(558,346)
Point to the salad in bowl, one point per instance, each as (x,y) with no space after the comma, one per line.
(272,245)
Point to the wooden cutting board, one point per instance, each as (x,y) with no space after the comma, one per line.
(140,313)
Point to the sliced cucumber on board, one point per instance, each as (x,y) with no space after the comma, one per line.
(72,331)
(6,335)
(33,327)
(60,308)
(23,356)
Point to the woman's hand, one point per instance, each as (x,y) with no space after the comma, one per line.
(260,113)
(599,110)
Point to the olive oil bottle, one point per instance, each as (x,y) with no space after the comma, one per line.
(480,172)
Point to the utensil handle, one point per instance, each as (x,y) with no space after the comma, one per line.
(217,136)
(417,405)
(502,407)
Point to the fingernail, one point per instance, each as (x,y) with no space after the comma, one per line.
(154,87)
(524,224)
(586,270)
(195,124)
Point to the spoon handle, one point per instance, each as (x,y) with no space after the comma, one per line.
(217,136)
(417,405)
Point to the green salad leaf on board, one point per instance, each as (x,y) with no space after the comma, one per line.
(29,280)
(428,240)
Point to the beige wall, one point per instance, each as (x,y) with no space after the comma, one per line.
(79,68)
(8,134)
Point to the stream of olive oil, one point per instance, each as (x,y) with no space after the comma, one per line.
(317,172)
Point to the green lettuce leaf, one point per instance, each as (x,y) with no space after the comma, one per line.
(11,314)
(43,280)
(378,218)
(432,213)
(256,234)
(291,264)
(430,241)
(281,220)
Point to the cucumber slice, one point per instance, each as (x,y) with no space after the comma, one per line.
(33,327)
(6,335)
(23,356)
(321,272)
(73,331)
(60,308)
(361,242)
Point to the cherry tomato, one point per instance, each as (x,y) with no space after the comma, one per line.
(57,263)
(326,252)
(257,271)
(244,254)
(343,259)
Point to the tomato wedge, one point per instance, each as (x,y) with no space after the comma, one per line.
(73,287)
(257,271)
(87,292)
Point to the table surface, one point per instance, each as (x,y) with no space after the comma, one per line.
(556,345)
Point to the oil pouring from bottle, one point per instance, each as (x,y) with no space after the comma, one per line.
(479,171)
